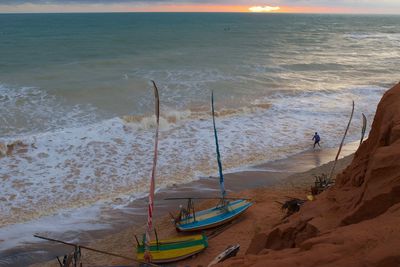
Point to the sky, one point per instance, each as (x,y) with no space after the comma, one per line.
(279,6)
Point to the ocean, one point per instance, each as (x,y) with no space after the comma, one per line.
(76,90)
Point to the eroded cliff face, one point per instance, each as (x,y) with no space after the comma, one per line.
(374,175)
(356,222)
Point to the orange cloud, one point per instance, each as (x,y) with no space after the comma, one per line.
(264,8)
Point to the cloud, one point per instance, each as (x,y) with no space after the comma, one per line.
(228,2)
(264,8)
(343,3)
(316,6)
(52,2)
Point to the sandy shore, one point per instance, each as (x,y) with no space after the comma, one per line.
(265,184)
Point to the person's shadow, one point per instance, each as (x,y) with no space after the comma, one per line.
(317,158)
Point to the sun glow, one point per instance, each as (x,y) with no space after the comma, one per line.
(264,8)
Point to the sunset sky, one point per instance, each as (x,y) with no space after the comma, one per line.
(291,6)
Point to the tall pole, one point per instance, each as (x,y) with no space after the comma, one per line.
(221,175)
(341,144)
(152,181)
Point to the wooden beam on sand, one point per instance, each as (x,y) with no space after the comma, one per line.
(95,250)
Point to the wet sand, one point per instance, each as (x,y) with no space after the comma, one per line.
(265,184)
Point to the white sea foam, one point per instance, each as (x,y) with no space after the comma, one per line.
(78,166)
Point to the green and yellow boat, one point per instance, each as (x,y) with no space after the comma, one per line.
(166,250)
(172,249)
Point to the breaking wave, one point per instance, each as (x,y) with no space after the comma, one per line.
(79,165)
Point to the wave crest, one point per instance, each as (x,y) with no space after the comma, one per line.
(173,117)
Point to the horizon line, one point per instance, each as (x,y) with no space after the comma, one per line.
(200,12)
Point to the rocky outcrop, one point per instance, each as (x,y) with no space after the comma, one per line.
(354,223)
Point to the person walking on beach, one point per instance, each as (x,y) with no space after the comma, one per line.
(316,139)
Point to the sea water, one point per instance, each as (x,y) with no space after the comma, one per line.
(76,90)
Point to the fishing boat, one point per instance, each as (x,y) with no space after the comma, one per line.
(173,249)
(225,211)
(166,250)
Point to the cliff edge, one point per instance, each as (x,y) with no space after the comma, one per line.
(354,223)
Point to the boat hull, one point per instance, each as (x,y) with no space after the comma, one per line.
(213,217)
(174,249)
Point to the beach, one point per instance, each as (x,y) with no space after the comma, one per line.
(265,184)
(353,222)
(77,117)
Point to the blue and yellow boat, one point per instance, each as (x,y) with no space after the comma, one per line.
(213,217)
(225,211)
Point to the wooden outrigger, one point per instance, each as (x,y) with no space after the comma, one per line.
(74,259)
(225,211)
(166,250)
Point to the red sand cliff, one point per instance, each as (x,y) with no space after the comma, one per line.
(355,223)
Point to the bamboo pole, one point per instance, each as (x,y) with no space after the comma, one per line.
(341,145)
(230,198)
